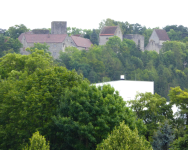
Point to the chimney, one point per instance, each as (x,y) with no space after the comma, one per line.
(122,77)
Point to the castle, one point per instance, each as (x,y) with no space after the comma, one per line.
(57,41)
(158,36)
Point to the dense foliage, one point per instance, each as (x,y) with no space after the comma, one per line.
(71,114)
(163,137)
(38,94)
(9,45)
(167,69)
(122,138)
(37,142)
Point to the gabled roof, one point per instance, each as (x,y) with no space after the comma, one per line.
(81,42)
(108,30)
(21,35)
(163,36)
(45,38)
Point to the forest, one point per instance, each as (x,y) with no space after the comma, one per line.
(51,102)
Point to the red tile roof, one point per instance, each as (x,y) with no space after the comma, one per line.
(109,30)
(21,35)
(163,36)
(45,38)
(81,42)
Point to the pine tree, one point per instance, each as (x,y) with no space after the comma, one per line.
(163,137)
(94,38)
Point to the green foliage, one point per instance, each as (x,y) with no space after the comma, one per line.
(176,33)
(151,109)
(163,137)
(40,46)
(37,142)
(123,138)
(180,144)
(94,38)
(167,69)
(15,31)
(21,63)
(9,45)
(87,114)
(30,90)
(179,98)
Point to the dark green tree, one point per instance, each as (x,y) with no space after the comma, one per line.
(9,45)
(30,90)
(87,115)
(163,137)
(180,144)
(15,31)
(94,38)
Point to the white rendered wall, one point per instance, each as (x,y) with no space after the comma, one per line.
(129,89)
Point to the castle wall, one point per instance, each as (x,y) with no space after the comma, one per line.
(119,33)
(137,38)
(154,37)
(40,31)
(103,39)
(25,45)
(59,27)
(152,46)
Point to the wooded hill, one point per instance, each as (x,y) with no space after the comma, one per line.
(38,94)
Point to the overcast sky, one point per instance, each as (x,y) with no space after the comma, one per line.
(87,14)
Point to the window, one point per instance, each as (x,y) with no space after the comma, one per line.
(107,38)
(54,53)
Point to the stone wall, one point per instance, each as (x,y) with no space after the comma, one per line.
(137,38)
(59,27)
(154,37)
(25,45)
(54,48)
(40,31)
(119,33)
(103,39)
(152,46)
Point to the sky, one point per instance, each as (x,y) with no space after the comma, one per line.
(87,14)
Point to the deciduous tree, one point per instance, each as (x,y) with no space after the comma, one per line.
(123,138)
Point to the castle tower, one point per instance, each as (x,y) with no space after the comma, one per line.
(59,27)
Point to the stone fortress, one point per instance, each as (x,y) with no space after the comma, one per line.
(58,40)
(158,36)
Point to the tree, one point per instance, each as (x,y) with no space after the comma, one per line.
(37,142)
(15,31)
(40,46)
(30,90)
(152,109)
(179,97)
(94,38)
(2,31)
(180,144)
(163,137)
(87,114)
(123,138)
(9,45)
